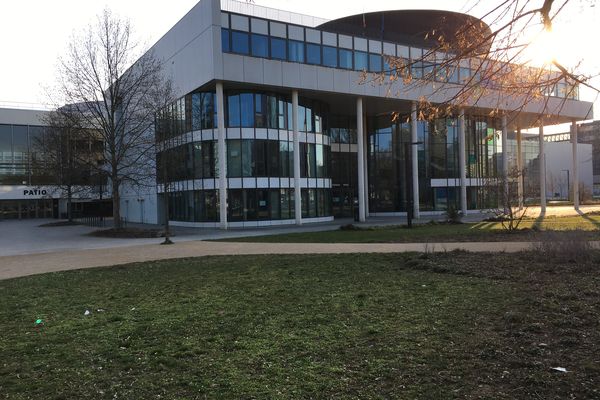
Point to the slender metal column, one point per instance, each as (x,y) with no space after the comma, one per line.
(365,158)
(361,159)
(297,188)
(462,162)
(542,161)
(505,194)
(575,166)
(222,151)
(415,160)
(520,168)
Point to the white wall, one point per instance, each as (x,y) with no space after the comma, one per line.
(139,205)
(559,157)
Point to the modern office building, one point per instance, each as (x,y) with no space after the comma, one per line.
(273,124)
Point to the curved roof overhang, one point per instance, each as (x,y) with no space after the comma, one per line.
(421,28)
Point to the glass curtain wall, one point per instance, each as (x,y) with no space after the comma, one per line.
(437,159)
(251,156)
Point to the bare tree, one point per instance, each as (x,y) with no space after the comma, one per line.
(115,90)
(507,208)
(69,156)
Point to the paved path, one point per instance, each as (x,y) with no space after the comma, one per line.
(26,249)
(22,265)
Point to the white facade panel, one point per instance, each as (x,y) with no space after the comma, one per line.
(313,36)
(330,39)
(345,41)
(278,29)
(361,44)
(240,23)
(295,32)
(260,26)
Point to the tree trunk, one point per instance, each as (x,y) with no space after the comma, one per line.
(70,204)
(116,201)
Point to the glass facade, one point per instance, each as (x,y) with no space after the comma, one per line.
(388,164)
(22,160)
(189,166)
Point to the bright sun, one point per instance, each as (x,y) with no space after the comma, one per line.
(548,46)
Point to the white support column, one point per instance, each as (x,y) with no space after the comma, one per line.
(520,168)
(462,162)
(361,159)
(575,177)
(415,159)
(542,162)
(297,188)
(505,193)
(222,153)
(366,151)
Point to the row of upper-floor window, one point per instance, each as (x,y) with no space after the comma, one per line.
(245,158)
(259,37)
(249,109)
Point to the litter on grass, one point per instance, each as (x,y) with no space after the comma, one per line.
(39,321)
(87,312)
(560,369)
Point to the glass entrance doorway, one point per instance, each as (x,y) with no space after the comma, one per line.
(26,209)
(343,202)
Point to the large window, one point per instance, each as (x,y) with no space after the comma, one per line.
(330,56)
(260,45)
(233,110)
(295,51)
(313,54)
(239,42)
(361,61)
(345,58)
(225,46)
(278,50)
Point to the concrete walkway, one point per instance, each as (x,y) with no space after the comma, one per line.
(22,265)
(27,249)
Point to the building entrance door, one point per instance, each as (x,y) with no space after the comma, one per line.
(343,202)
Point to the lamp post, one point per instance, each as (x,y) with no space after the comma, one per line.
(408,174)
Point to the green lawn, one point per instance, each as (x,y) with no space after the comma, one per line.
(529,230)
(406,326)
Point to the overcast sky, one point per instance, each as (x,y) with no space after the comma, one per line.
(35,32)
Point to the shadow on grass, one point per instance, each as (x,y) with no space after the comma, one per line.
(537,224)
(588,218)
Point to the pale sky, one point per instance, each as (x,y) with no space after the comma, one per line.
(35,32)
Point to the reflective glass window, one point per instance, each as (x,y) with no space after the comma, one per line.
(225,40)
(345,58)
(330,56)
(234,158)
(278,49)
(313,53)
(375,63)
(284,163)
(260,111)
(260,158)
(260,45)
(247,158)
(239,42)
(274,202)
(247,109)
(361,61)
(296,51)
(272,157)
(233,111)
(6,139)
